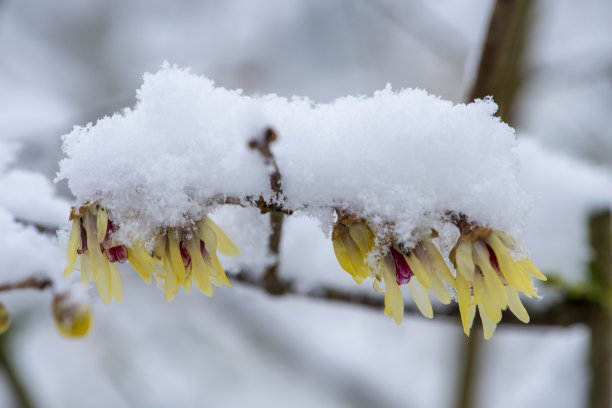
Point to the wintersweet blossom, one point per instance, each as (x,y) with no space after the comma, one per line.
(5,318)
(489,278)
(421,268)
(178,255)
(91,237)
(183,256)
(72,318)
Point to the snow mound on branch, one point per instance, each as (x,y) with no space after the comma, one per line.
(404,157)
(25,252)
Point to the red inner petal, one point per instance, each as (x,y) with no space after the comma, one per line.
(403,273)
(493,258)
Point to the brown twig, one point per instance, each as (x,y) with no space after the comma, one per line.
(565,312)
(498,70)
(45,229)
(19,386)
(272,283)
(29,283)
(600,322)
(262,145)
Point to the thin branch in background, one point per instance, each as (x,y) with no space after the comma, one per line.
(262,145)
(20,393)
(271,281)
(466,393)
(600,352)
(564,313)
(29,283)
(44,229)
(498,73)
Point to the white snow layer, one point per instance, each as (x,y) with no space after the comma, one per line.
(27,197)
(25,252)
(566,191)
(398,156)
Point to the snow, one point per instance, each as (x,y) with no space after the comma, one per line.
(77,61)
(27,197)
(37,203)
(566,191)
(535,368)
(403,157)
(25,252)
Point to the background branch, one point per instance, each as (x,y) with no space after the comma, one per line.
(40,283)
(564,312)
(271,281)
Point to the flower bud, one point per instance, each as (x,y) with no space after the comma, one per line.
(5,319)
(72,315)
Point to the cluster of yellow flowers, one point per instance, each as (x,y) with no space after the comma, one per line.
(486,276)
(179,258)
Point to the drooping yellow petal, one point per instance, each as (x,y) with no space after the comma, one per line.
(437,263)
(344,259)
(101,223)
(356,257)
(491,307)
(439,290)
(363,237)
(171,283)
(143,264)
(464,298)
(417,268)
(463,260)
(115,281)
(215,270)
(225,245)
(394,303)
(506,264)
(516,306)
(509,268)
(104,284)
(531,269)
(527,283)
(419,294)
(487,325)
(176,259)
(479,288)
(87,274)
(208,235)
(99,263)
(198,267)
(494,284)
(73,245)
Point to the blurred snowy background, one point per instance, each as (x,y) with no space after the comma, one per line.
(70,62)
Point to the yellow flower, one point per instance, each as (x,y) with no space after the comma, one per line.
(5,318)
(488,278)
(72,319)
(353,240)
(421,268)
(179,255)
(91,238)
